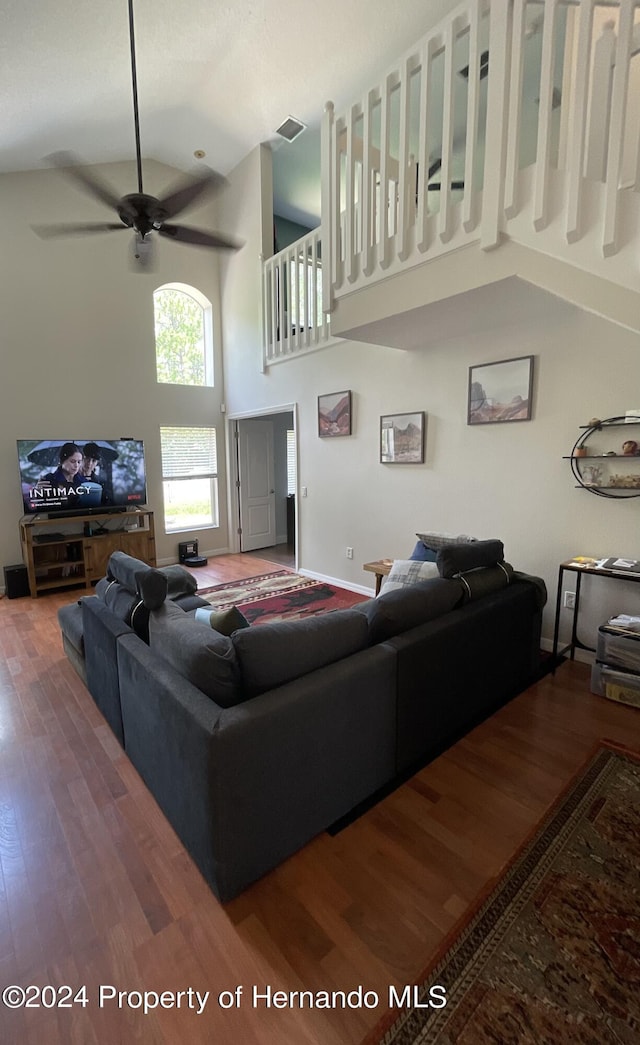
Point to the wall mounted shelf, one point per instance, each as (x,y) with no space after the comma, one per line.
(593,477)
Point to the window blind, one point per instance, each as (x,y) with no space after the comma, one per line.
(188,452)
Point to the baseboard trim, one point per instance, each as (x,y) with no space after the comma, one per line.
(337,582)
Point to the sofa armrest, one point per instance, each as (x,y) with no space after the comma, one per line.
(245,787)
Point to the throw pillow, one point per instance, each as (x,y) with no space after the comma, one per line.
(458,558)
(436,540)
(223,621)
(407,571)
(422,554)
(476,583)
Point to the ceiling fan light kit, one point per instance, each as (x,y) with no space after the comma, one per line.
(139,211)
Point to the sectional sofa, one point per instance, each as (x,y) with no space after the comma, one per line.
(254,742)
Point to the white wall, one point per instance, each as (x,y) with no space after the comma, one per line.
(507,481)
(78,356)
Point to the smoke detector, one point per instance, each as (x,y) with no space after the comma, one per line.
(291,128)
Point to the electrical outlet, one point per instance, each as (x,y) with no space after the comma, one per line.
(570,600)
(349,553)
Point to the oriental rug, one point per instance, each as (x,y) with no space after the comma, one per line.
(280,595)
(552,955)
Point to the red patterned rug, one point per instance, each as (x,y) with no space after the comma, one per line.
(280,595)
(552,955)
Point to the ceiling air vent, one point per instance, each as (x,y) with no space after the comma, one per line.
(291,128)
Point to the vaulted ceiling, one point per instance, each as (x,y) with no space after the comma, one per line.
(213,75)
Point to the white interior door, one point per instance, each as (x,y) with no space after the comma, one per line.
(257,491)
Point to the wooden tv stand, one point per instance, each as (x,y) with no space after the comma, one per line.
(69,552)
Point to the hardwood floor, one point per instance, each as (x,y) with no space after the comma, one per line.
(97,890)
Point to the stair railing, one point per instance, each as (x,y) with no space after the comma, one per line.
(521,107)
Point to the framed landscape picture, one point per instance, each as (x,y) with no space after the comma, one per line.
(500,391)
(402,438)
(334,414)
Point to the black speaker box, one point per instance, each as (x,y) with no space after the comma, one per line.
(16,581)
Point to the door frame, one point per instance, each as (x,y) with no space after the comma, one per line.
(233,474)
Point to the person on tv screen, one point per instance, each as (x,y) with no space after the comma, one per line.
(90,469)
(64,482)
(68,471)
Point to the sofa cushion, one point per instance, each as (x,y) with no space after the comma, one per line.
(458,558)
(197,652)
(405,572)
(224,621)
(435,539)
(422,554)
(272,654)
(487,579)
(396,611)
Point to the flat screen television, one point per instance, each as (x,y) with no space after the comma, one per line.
(80,476)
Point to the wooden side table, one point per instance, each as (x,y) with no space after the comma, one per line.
(381,569)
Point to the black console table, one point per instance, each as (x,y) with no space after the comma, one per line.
(580,569)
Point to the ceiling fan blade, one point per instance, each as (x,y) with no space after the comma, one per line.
(189,190)
(75,228)
(71,165)
(199,237)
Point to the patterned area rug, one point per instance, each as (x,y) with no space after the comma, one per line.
(280,595)
(552,956)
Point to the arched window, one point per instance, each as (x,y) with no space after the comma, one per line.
(184,337)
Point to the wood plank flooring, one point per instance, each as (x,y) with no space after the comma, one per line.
(96,889)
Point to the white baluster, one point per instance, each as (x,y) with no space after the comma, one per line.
(367,201)
(497,89)
(515,96)
(469,217)
(600,103)
(422,223)
(383,205)
(349,240)
(578,136)
(402,239)
(329,205)
(617,127)
(541,190)
(444,216)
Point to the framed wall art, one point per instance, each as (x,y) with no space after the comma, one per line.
(334,414)
(500,391)
(402,438)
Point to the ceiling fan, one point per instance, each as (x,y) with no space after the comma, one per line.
(138,211)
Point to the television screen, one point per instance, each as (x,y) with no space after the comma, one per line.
(81,475)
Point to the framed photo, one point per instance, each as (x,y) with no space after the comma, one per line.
(402,438)
(500,391)
(334,414)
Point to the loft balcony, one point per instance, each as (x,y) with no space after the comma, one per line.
(510,123)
